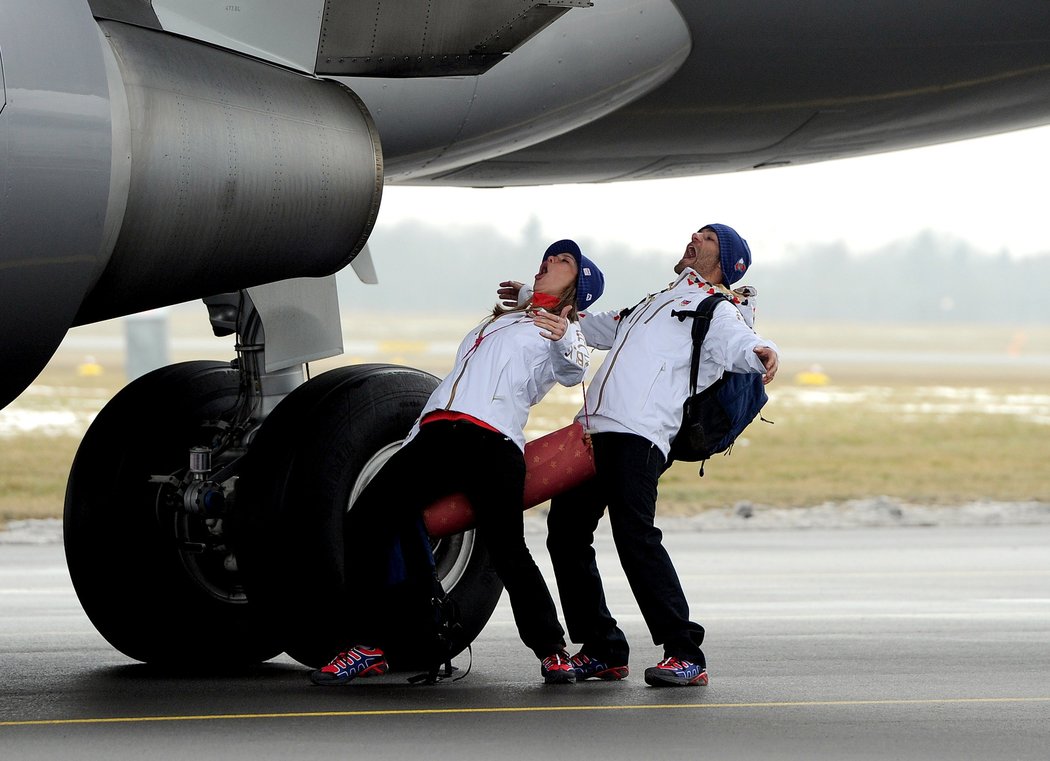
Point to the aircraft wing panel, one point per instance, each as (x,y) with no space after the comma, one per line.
(420,38)
(391,38)
(280,32)
(137,12)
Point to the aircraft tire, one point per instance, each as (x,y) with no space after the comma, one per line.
(311,457)
(123,550)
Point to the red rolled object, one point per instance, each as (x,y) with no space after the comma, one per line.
(553,464)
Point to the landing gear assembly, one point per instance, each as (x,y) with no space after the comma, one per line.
(205,506)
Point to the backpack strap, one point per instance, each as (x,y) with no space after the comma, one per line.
(701,322)
(445,614)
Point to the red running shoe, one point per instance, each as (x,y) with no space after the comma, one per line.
(591,668)
(557,668)
(674,672)
(357,661)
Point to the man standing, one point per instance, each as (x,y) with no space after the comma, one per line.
(634,409)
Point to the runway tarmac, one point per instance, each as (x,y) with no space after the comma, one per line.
(888,643)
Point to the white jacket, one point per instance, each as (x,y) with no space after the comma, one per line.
(644,380)
(499,378)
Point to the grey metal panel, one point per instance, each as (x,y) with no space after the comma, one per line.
(55,161)
(401,38)
(283,32)
(364,267)
(241,173)
(138,12)
(300,319)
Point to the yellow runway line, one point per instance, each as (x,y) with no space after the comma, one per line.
(526,709)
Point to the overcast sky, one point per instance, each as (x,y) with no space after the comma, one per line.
(990,191)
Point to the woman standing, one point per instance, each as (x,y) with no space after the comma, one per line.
(470,438)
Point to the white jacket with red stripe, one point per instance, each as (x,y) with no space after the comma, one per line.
(644,380)
(503,367)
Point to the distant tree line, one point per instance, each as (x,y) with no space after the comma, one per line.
(930,277)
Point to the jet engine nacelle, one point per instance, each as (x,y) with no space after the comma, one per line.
(171,170)
(235,173)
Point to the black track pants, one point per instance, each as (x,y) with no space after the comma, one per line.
(628,468)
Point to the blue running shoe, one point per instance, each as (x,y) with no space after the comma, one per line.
(674,672)
(557,668)
(357,661)
(591,668)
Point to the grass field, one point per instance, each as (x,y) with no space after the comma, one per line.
(946,416)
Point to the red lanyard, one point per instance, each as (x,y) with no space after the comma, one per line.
(482,335)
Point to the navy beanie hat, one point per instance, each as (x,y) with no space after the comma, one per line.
(590,282)
(734,252)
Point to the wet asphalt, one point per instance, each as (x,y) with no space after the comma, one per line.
(901,643)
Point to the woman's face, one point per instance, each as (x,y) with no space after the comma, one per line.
(556,275)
